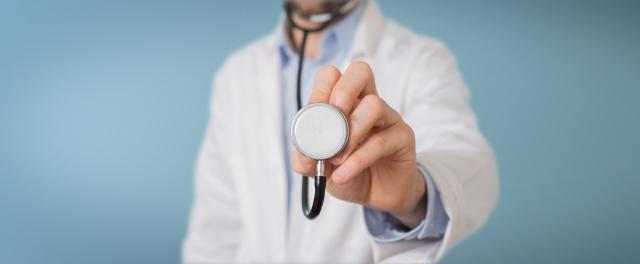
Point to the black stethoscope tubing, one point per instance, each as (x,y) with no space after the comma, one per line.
(320,182)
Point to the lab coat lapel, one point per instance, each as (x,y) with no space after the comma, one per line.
(269,83)
(367,34)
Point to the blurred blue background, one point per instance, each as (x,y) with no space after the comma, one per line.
(103,105)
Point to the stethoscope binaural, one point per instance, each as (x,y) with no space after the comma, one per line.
(319,131)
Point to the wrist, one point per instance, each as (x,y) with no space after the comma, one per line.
(413,217)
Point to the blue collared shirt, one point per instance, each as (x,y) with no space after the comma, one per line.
(335,45)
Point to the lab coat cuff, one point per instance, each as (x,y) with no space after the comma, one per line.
(383,227)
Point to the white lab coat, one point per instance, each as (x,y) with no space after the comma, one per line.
(240,207)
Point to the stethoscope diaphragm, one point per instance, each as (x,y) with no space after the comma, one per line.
(319,131)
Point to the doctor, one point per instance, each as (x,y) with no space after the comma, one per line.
(415,178)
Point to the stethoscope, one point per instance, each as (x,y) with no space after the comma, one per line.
(319,131)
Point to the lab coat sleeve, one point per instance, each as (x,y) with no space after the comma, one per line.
(215,223)
(451,147)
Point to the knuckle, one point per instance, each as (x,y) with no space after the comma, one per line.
(357,160)
(378,104)
(354,121)
(378,142)
(341,96)
(375,105)
(407,133)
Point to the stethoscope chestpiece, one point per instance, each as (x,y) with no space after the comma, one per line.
(319,131)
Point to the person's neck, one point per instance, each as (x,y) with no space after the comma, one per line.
(314,39)
(313,45)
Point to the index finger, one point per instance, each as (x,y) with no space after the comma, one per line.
(356,82)
(326,78)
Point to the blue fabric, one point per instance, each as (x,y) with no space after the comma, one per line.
(335,46)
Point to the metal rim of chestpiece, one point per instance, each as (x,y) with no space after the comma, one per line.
(297,117)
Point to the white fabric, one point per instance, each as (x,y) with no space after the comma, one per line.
(239,211)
